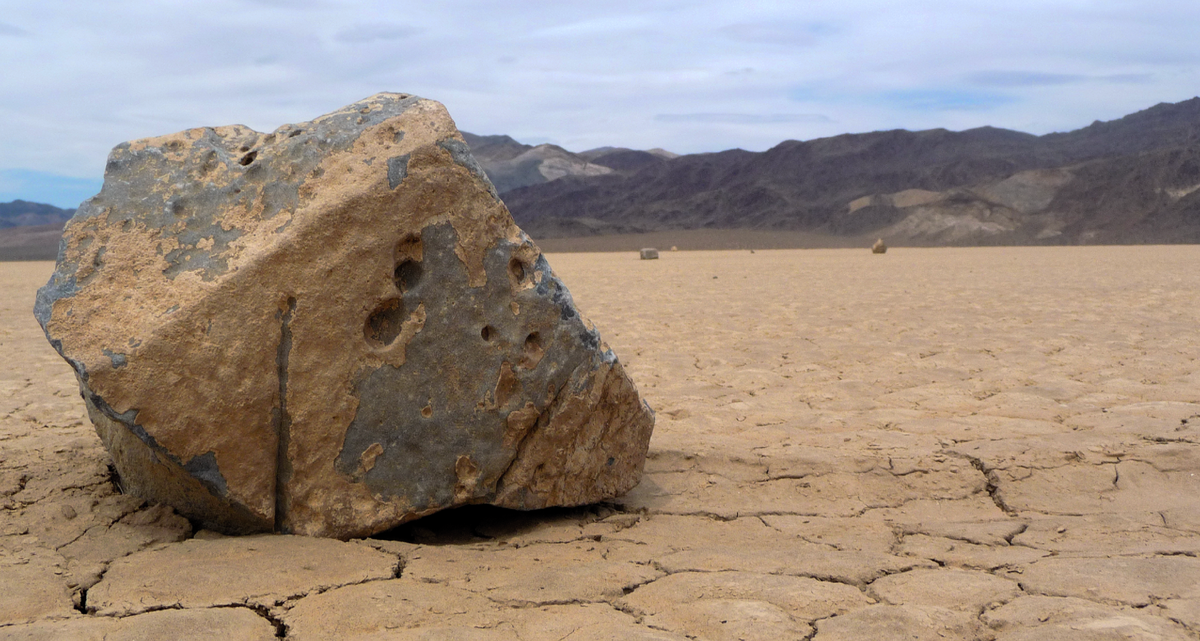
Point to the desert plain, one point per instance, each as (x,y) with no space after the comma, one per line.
(968,443)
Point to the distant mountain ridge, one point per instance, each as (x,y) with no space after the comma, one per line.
(511,164)
(1131,180)
(22,213)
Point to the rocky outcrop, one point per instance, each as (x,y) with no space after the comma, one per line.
(332,329)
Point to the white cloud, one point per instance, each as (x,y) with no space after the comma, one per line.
(11,30)
(689,77)
(364,33)
(741,119)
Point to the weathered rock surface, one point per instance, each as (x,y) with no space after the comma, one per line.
(332,329)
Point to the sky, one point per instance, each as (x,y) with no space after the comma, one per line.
(79,78)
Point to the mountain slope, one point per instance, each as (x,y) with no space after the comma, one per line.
(1107,182)
(510,164)
(21,213)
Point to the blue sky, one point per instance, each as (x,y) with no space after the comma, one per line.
(690,77)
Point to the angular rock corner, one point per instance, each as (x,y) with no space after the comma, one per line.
(332,329)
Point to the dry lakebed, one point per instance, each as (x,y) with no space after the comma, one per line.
(979,443)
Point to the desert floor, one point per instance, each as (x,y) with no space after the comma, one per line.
(928,444)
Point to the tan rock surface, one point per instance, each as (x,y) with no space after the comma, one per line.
(332,329)
(1006,454)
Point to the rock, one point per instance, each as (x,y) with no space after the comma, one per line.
(649,253)
(879,247)
(332,329)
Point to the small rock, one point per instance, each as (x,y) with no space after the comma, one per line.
(674,248)
(879,247)
(68,512)
(649,253)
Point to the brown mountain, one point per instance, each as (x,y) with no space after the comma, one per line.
(1135,179)
(510,164)
(21,213)
(30,231)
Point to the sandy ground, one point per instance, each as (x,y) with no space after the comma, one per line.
(928,444)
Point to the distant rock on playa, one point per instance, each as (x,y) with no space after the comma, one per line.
(332,329)
(879,247)
(649,253)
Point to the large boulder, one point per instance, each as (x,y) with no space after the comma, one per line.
(332,329)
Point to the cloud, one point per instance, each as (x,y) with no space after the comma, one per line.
(797,35)
(12,30)
(945,100)
(1127,78)
(583,74)
(594,26)
(364,33)
(741,119)
(1043,79)
(1023,78)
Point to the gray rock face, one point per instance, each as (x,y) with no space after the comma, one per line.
(649,253)
(332,329)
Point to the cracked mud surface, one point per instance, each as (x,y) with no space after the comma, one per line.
(928,444)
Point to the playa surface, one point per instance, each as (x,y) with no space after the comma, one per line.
(992,443)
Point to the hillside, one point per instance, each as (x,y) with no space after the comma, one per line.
(20,213)
(1130,180)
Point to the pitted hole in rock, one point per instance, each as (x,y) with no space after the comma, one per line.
(488,333)
(517,270)
(248,158)
(407,274)
(407,255)
(533,352)
(385,323)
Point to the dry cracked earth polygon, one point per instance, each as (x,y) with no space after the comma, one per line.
(989,443)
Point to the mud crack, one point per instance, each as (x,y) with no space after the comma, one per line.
(281,628)
(993,485)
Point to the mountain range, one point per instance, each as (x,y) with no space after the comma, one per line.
(1131,180)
